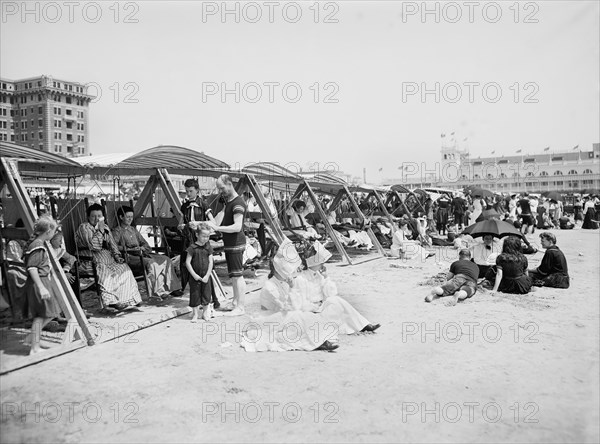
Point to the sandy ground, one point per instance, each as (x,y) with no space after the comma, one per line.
(493,369)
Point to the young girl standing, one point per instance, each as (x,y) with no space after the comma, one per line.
(43,305)
(199,262)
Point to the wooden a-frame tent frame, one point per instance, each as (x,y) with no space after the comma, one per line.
(77,332)
(343,190)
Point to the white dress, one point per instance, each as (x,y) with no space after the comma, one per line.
(410,248)
(286,327)
(320,295)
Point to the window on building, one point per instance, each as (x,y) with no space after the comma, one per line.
(572,172)
(544,184)
(529,174)
(588,171)
(70,137)
(558,173)
(573,184)
(515,174)
(544,173)
(69,125)
(558,183)
(68,112)
(557,158)
(40,110)
(40,123)
(40,135)
(68,100)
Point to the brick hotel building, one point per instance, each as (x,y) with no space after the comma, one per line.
(45,113)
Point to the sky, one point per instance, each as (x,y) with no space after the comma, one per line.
(322,85)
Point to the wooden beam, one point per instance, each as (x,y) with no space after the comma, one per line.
(12,178)
(145,197)
(361,216)
(323,216)
(254,188)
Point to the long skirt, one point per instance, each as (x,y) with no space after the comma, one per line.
(162,278)
(344,315)
(589,221)
(116,281)
(517,285)
(287,331)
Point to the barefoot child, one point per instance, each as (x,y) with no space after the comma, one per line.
(43,306)
(199,262)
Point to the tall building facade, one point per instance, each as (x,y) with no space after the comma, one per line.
(47,114)
(566,171)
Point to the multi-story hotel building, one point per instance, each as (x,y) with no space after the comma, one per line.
(566,171)
(45,113)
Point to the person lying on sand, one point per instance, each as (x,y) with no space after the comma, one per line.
(461,281)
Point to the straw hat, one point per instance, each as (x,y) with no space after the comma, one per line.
(321,256)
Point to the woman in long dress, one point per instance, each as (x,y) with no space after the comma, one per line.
(118,288)
(319,294)
(285,326)
(162,278)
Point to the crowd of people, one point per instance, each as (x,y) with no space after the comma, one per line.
(298,289)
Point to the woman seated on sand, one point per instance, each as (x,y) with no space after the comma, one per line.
(405,248)
(118,288)
(553,270)
(319,294)
(286,327)
(162,278)
(511,269)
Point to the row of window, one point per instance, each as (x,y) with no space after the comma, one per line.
(70,149)
(54,97)
(57,124)
(57,111)
(529,174)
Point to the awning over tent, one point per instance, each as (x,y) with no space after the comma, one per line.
(162,156)
(272,172)
(36,163)
(22,153)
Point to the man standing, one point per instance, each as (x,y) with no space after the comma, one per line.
(230,222)
(458,208)
(526,217)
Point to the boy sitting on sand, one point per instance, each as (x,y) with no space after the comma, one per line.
(461,281)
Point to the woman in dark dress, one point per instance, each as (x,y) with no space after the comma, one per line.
(511,268)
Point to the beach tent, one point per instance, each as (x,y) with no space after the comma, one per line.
(77,331)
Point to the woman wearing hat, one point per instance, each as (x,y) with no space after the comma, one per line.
(319,294)
(286,327)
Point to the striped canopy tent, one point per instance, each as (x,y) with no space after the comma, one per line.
(176,159)
(324,182)
(35,163)
(271,172)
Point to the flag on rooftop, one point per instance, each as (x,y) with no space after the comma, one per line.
(494,152)
(381,169)
(547,148)
(443,135)
(576,147)
(519,151)
(452,133)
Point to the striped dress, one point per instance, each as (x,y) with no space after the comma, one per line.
(116,281)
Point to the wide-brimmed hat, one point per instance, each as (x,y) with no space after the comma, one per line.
(287,260)
(321,256)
